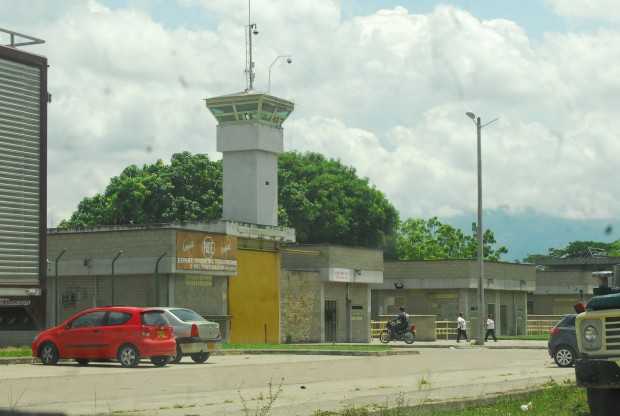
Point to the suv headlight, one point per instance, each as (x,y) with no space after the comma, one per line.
(590,334)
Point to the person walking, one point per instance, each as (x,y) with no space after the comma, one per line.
(490,329)
(461,328)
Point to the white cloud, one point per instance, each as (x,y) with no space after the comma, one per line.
(385,93)
(587,9)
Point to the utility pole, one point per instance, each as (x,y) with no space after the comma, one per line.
(481,304)
(479,229)
(250,67)
(57,285)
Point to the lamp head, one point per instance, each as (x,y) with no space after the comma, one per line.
(289,60)
(471,115)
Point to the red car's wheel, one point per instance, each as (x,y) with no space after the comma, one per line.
(49,354)
(128,356)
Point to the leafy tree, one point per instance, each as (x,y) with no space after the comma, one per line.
(419,239)
(188,189)
(322,199)
(326,201)
(578,249)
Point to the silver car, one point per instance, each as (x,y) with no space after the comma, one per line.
(195,336)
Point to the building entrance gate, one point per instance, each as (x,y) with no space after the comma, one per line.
(331,320)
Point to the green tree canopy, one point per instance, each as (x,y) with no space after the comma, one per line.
(322,199)
(419,239)
(579,249)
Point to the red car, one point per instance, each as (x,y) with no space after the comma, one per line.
(126,334)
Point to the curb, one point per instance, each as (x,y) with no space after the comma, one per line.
(318,352)
(31,360)
(16,360)
(472,347)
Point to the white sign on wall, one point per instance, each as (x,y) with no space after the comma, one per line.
(354,276)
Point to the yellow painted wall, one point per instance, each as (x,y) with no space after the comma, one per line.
(254,298)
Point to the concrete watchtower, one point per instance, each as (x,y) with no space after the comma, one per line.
(250,136)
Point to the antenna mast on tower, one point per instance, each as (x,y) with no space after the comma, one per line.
(250,72)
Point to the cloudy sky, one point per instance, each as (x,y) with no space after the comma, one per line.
(382,85)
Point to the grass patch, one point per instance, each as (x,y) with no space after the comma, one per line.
(16,352)
(321,347)
(556,400)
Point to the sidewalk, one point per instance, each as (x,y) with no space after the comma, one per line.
(499,345)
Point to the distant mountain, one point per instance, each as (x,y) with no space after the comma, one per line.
(530,232)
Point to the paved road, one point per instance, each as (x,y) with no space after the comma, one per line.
(308,382)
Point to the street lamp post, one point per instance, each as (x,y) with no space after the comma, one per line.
(57,284)
(479,230)
(118,254)
(289,60)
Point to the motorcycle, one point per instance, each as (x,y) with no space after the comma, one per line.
(392,332)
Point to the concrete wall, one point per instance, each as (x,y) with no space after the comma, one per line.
(446,304)
(301,306)
(250,161)
(555,304)
(564,282)
(76,293)
(454,274)
(359,318)
(141,248)
(250,187)
(17,338)
(442,303)
(207,295)
(425,327)
(319,256)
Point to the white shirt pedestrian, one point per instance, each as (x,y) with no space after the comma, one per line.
(490,324)
(461,323)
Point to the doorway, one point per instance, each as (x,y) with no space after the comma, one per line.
(331,319)
(503,316)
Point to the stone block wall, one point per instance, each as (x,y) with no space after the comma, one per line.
(301,306)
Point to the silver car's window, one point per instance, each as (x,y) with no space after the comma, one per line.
(187,315)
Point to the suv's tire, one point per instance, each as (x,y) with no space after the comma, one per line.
(200,357)
(160,361)
(564,356)
(178,357)
(82,362)
(48,353)
(604,402)
(128,356)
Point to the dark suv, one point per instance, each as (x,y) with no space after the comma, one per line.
(563,342)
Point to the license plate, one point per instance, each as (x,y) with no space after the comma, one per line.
(161,334)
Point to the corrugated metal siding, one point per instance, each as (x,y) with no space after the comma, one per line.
(20,121)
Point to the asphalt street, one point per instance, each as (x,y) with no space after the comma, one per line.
(308,383)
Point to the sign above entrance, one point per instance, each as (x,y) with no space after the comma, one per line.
(353,275)
(14,302)
(198,251)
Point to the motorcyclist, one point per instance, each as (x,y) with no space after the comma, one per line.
(402,320)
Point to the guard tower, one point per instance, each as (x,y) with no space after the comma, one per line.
(250,136)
